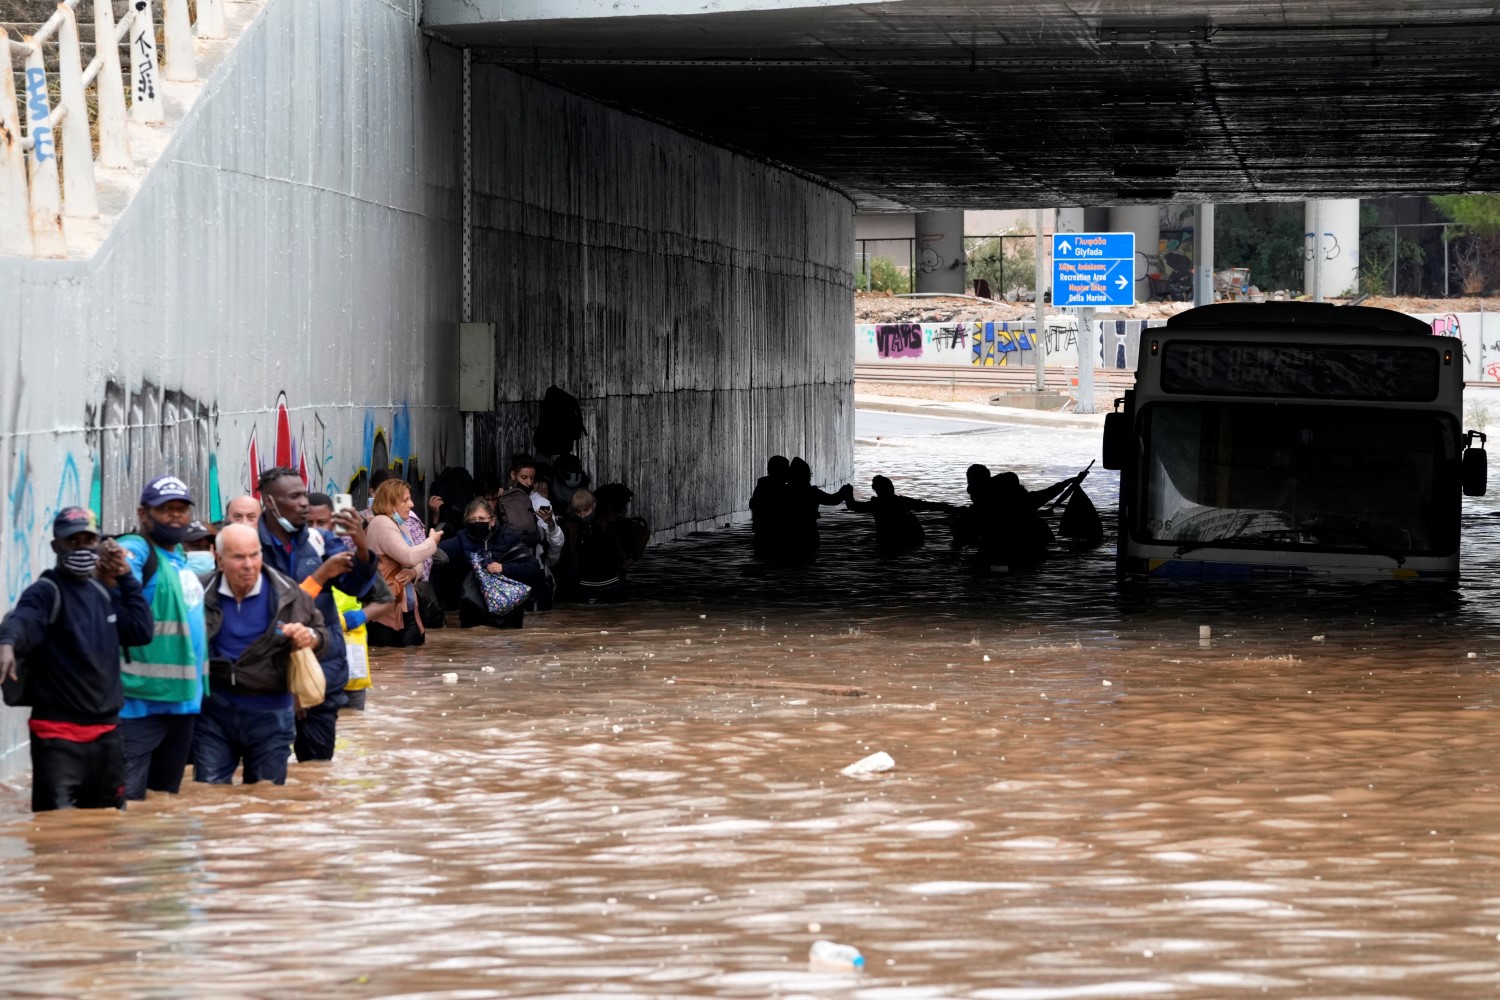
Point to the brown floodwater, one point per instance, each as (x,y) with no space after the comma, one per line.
(645,800)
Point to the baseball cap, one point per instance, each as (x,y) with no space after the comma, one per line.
(73,521)
(165,489)
(196,531)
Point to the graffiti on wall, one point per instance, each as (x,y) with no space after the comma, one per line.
(1120,340)
(899,340)
(136,434)
(285,450)
(391,450)
(308,447)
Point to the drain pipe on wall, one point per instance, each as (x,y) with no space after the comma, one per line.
(467,224)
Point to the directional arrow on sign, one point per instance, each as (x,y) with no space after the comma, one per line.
(1122,282)
(1065,247)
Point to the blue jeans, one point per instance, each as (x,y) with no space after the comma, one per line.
(157,748)
(227,734)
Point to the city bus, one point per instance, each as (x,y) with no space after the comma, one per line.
(1293,439)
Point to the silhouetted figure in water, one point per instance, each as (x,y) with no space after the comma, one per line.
(768,506)
(1012,532)
(896,524)
(968,521)
(799,536)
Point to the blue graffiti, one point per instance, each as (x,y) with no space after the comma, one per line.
(42,144)
(401,432)
(367,452)
(36,95)
(22,525)
(69,489)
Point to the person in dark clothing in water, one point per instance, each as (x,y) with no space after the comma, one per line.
(594,561)
(1012,532)
(498,549)
(768,506)
(799,537)
(69,627)
(896,524)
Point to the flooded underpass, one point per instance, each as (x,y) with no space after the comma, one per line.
(646,800)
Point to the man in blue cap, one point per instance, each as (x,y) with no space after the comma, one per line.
(165,678)
(68,627)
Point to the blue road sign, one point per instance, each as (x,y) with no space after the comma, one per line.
(1093,269)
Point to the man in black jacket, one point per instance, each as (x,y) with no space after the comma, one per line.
(69,626)
(255,617)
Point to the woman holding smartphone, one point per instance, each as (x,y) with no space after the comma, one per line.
(400,565)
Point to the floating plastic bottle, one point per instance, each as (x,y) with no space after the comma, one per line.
(831,957)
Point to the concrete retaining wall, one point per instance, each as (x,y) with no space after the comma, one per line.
(1003,344)
(696,302)
(1008,344)
(283,290)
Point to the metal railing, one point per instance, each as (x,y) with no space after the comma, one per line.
(48,173)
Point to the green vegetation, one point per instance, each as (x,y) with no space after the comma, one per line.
(882,275)
(1269,239)
(1375,252)
(1007,263)
(1475,248)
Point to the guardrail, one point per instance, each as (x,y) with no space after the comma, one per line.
(48,173)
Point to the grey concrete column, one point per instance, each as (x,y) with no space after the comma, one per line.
(1071,220)
(940,253)
(1203,255)
(1340,247)
(1145,222)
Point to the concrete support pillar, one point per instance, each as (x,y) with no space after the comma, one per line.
(1340,248)
(1071,220)
(1095,220)
(1145,222)
(1203,255)
(940,253)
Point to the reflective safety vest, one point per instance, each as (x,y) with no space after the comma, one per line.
(166,668)
(356,641)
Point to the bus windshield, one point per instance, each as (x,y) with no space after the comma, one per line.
(1361,479)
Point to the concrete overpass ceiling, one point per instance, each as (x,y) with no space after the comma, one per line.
(929,104)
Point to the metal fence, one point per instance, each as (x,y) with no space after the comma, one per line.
(47,174)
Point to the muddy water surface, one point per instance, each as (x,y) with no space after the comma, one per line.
(646,801)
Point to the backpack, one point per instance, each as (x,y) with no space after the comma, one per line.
(1080,519)
(14,692)
(559,424)
(516,512)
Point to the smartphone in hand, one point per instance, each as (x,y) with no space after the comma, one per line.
(341,502)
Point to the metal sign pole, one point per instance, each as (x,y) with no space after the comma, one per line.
(1039,349)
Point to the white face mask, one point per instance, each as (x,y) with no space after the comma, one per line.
(276,513)
(201,563)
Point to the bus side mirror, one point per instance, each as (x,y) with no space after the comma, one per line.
(1475,465)
(1116,439)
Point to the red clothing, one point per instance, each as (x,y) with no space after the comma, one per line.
(70,731)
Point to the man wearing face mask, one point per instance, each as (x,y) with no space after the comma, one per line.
(69,626)
(166,678)
(292,547)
